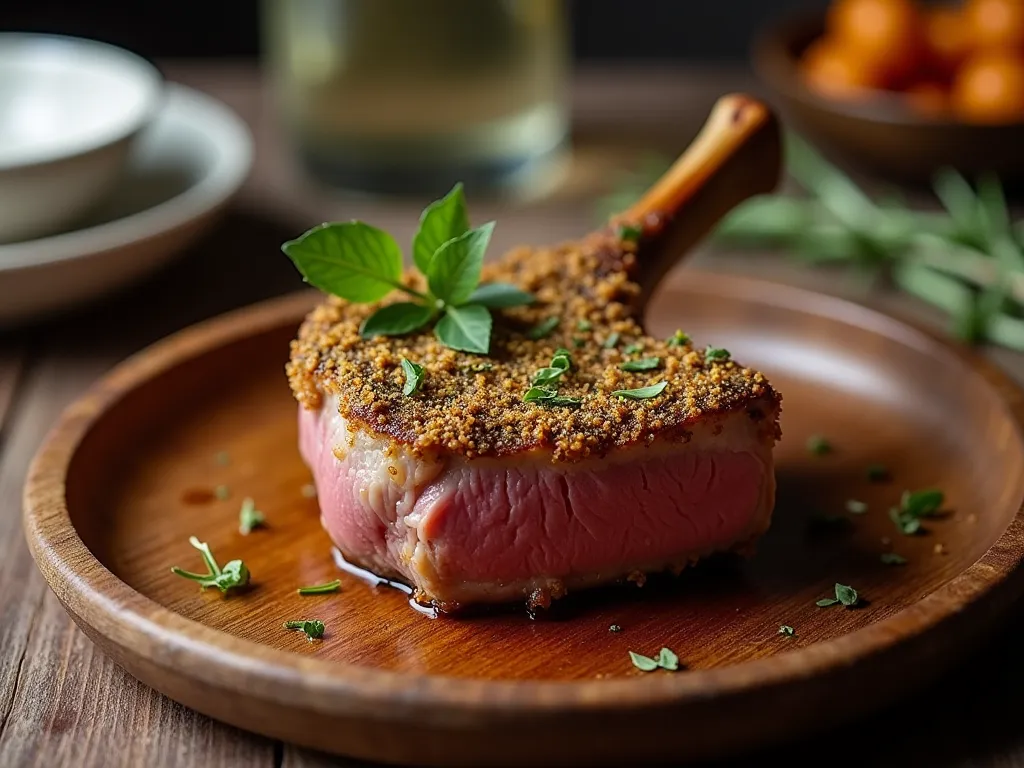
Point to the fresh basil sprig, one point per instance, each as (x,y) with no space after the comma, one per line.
(363,264)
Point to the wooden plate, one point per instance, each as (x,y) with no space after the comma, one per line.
(129,471)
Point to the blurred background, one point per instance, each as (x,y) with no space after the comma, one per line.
(601,29)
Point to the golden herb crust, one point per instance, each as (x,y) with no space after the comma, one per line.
(472,405)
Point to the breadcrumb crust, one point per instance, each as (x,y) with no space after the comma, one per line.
(472,405)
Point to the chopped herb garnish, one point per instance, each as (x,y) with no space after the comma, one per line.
(716,354)
(877,473)
(583,325)
(643,393)
(546,376)
(907,524)
(363,264)
(855,507)
(666,660)
(413,377)
(233,575)
(844,595)
(222,458)
(222,492)
(321,589)
(818,445)
(543,329)
(787,630)
(630,232)
(611,340)
(633,349)
(678,339)
(891,558)
(578,341)
(614,628)
(535,393)
(914,506)
(249,518)
(313,628)
(643,364)
(479,367)
(308,491)
(643,663)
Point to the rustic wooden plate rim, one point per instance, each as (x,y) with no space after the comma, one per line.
(89,590)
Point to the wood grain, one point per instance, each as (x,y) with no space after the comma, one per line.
(462,690)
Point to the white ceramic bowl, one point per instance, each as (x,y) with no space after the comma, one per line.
(181,173)
(69,111)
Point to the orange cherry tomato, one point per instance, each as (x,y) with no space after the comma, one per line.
(995,23)
(989,88)
(837,72)
(888,33)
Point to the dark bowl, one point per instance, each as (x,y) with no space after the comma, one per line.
(880,133)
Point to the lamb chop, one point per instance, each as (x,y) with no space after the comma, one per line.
(470,495)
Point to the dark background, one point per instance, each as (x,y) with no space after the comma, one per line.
(602,29)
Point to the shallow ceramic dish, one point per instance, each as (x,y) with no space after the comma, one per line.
(130,472)
(184,169)
(69,112)
(880,132)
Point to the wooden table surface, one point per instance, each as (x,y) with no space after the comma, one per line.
(63,703)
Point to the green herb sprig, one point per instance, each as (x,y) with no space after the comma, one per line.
(363,264)
(967,260)
(312,628)
(641,393)
(544,389)
(413,377)
(234,574)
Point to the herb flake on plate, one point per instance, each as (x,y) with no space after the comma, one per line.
(818,446)
(249,518)
(321,589)
(787,630)
(666,660)
(716,354)
(233,575)
(312,628)
(845,595)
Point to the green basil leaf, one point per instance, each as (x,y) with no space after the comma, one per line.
(352,260)
(825,602)
(716,354)
(413,377)
(668,660)
(441,221)
(395,320)
(500,295)
(846,595)
(466,328)
(643,364)
(543,328)
(454,272)
(643,393)
(643,663)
